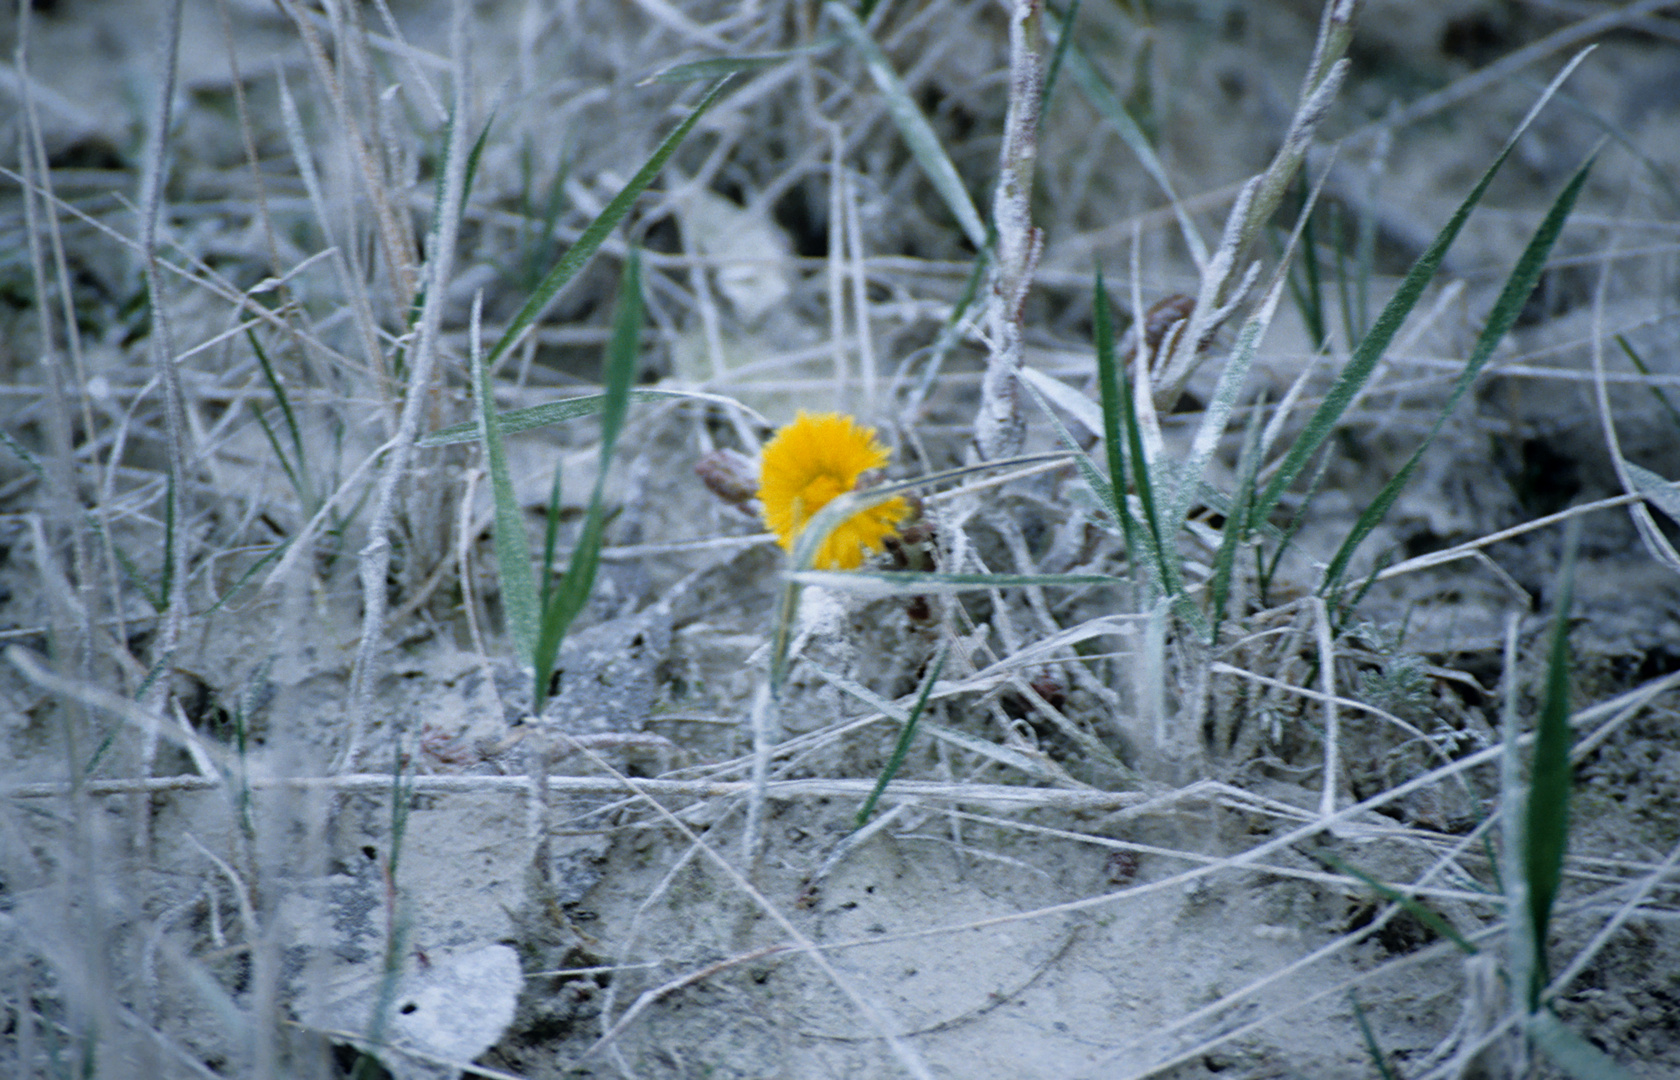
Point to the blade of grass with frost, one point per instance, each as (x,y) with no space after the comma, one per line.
(300,478)
(249,575)
(1660,493)
(1057,58)
(1546,829)
(912,125)
(1656,391)
(719,66)
(1308,294)
(1231,537)
(1353,277)
(1371,348)
(567,601)
(279,453)
(396,928)
(1233,376)
(166,574)
(1365,262)
(1565,1048)
(1035,383)
(1515,293)
(950,334)
(515,421)
(597,231)
(475,157)
(137,577)
(513,553)
(1144,554)
(1267,572)
(1112,493)
(1120,421)
(1102,98)
(551,536)
(905,737)
(1378,1058)
(1420,911)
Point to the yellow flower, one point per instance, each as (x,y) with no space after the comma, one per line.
(811,461)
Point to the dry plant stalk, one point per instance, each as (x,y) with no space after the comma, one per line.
(1225,281)
(1000,429)
(376,554)
(163,352)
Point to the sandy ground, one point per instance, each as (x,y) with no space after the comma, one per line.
(1074,878)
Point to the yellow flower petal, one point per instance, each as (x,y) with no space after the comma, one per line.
(811,461)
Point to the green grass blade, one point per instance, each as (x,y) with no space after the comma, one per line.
(596,233)
(278,389)
(1057,58)
(1353,274)
(250,575)
(1119,410)
(718,66)
(1492,857)
(24,454)
(475,157)
(513,553)
(1142,552)
(137,577)
(1295,523)
(1371,348)
(1108,365)
(1306,285)
(1660,493)
(1378,1058)
(1420,911)
(1344,611)
(1037,383)
(951,334)
(551,535)
(1216,417)
(1364,266)
(280,454)
(1102,98)
(515,421)
(166,576)
(1515,293)
(1656,391)
(1231,537)
(1125,409)
(1546,835)
(1578,1058)
(905,737)
(623,350)
(912,125)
